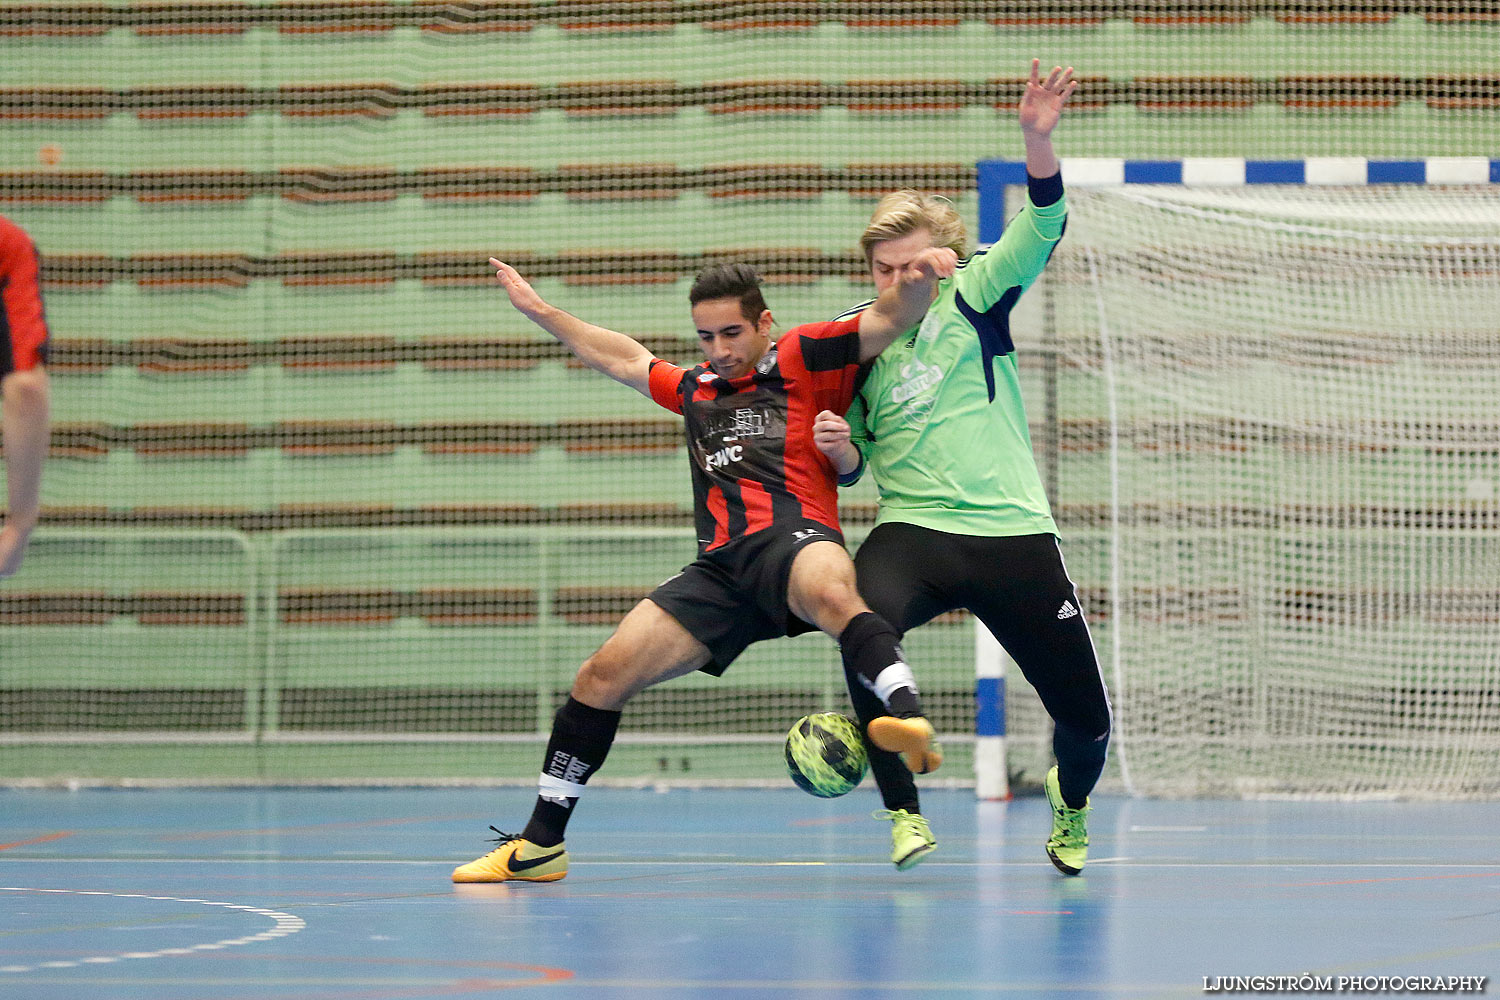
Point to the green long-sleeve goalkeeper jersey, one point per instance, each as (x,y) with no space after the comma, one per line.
(940,418)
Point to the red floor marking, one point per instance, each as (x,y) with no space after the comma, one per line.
(38,840)
(310,828)
(457,987)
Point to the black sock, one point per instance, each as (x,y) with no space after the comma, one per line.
(1080,761)
(581,738)
(898,790)
(870,647)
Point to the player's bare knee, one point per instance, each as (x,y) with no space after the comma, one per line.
(601,684)
(829,604)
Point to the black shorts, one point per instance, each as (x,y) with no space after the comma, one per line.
(1017,585)
(735,594)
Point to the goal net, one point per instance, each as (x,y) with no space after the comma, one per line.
(1281,417)
(321,506)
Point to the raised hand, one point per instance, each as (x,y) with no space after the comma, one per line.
(522,295)
(1042,103)
(932,264)
(901,306)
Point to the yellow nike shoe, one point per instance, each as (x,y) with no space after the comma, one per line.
(516,860)
(912,738)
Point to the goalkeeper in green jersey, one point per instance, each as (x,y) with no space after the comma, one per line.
(963,518)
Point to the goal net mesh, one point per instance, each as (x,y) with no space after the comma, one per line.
(321,506)
(1281,404)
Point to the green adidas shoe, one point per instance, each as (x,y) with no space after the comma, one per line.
(911,838)
(1068,847)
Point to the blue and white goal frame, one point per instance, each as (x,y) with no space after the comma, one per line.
(991,777)
(996,175)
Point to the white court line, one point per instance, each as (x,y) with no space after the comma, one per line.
(286,924)
(730,863)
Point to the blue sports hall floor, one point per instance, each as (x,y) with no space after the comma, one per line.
(339,894)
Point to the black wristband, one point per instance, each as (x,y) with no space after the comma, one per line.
(1044,191)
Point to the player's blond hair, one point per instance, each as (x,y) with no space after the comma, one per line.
(902,212)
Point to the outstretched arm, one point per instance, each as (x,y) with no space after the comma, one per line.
(614,354)
(26,436)
(1041,107)
(1018,257)
(902,305)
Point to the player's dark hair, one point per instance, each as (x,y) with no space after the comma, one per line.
(730,281)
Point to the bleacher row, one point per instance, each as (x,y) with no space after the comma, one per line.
(455,607)
(597,605)
(1072,517)
(157,355)
(584,181)
(311,437)
(162,17)
(345,515)
(345,437)
(449,269)
(435,268)
(634,97)
(307,606)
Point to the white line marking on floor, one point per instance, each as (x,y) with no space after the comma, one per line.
(733,863)
(286,923)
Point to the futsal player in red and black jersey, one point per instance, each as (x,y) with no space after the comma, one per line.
(24,394)
(771,559)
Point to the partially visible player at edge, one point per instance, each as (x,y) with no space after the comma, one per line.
(24,391)
(771,559)
(963,518)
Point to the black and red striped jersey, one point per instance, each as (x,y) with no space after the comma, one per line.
(750,438)
(23,323)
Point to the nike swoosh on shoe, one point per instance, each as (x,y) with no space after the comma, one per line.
(516,864)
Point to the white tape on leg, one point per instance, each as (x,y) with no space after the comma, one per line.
(897,675)
(557,790)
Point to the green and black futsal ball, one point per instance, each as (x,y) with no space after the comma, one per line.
(825,755)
